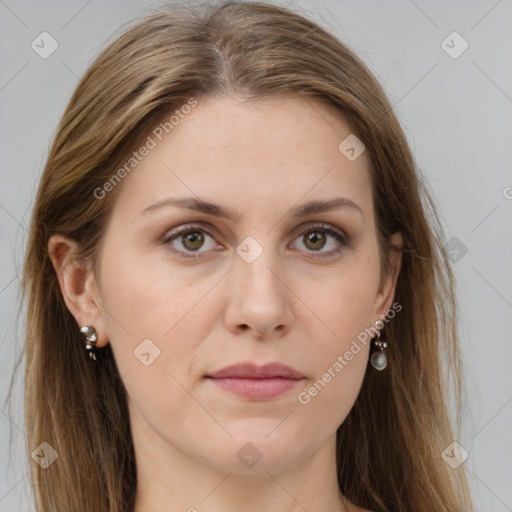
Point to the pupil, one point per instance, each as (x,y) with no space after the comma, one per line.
(315,238)
(195,238)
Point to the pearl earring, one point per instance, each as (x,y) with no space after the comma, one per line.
(379,358)
(91,338)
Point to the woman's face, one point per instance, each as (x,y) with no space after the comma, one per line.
(254,278)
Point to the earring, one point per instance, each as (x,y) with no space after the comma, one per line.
(91,338)
(379,359)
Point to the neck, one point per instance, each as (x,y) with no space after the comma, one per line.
(172,481)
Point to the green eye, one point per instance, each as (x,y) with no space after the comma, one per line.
(190,239)
(316,237)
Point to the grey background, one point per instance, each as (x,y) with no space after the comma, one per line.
(456,112)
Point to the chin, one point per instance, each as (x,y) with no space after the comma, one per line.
(257,451)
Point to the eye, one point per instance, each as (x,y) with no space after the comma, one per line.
(189,241)
(316,237)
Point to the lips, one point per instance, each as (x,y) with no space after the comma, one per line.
(256,382)
(253,371)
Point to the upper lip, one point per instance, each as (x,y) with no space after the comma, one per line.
(254,371)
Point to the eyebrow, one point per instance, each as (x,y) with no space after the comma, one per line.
(199,205)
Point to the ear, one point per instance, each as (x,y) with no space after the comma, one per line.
(77,285)
(387,286)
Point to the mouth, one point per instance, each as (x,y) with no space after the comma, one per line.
(255,382)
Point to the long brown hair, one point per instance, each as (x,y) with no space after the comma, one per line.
(389,447)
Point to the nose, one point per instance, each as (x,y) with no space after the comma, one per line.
(259,299)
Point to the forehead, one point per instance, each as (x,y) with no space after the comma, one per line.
(244,154)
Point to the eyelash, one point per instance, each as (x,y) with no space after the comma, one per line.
(324,228)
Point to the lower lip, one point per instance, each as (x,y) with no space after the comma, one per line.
(256,389)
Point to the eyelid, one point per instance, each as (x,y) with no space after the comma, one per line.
(329,228)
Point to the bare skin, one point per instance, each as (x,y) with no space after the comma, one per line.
(301,302)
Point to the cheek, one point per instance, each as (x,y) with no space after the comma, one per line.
(156,320)
(344,302)
(341,358)
(345,309)
(338,362)
(148,294)
(149,300)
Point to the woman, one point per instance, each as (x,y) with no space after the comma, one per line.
(238,298)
